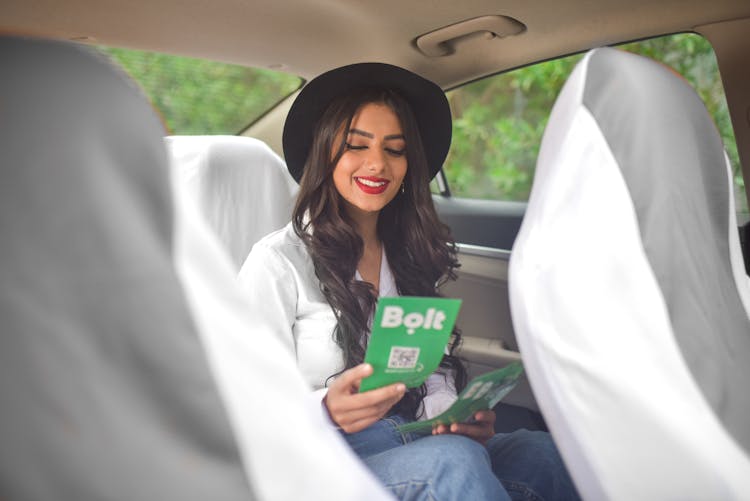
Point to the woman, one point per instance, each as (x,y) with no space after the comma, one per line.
(363,141)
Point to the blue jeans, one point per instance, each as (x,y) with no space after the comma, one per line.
(518,465)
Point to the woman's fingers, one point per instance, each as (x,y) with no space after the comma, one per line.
(344,416)
(440,429)
(391,393)
(350,379)
(481,429)
(349,409)
(479,433)
(343,401)
(486,417)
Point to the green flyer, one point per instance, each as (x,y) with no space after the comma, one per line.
(483,392)
(408,339)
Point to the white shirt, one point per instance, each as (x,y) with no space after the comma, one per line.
(280,277)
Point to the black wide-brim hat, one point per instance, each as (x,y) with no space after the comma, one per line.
(426,99)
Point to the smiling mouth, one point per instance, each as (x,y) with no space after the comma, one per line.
(372,185)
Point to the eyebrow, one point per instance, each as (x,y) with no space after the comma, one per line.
(371,135)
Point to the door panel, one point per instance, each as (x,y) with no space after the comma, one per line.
(486,223)
(485,321)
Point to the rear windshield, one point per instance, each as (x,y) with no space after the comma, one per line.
(197,96)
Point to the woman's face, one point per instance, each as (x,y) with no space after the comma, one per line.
(370,172)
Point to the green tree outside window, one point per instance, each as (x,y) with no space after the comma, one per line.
(196,96)
(499,121)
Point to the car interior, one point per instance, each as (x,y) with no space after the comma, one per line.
(465,47)
(126,370)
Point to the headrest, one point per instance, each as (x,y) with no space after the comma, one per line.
(105,386)
(240,184)
(627,291)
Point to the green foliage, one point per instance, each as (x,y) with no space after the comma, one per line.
(497,129)
(196,96)
(499,121)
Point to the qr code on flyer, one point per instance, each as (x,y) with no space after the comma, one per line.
(403,357)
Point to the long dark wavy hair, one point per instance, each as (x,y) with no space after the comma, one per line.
(420,249)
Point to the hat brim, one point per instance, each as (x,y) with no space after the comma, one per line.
(426,99)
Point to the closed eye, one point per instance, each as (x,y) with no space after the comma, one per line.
(350,146)
(396,153)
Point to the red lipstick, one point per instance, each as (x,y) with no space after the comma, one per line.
(372,185)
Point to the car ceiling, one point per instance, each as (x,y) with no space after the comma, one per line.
(306,37)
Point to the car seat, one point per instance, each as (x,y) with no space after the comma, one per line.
(129,366)
(628,292)
(242,187)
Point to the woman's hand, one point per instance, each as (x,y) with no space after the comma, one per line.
(353,411)
(481,430)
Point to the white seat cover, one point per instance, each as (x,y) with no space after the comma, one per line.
(629,300)
(130,367)
(242,187)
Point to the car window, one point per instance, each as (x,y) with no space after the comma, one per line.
(197,96)
(499,121)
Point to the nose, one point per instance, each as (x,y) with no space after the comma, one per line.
(376,160)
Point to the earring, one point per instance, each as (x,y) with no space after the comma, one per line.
(403,188)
